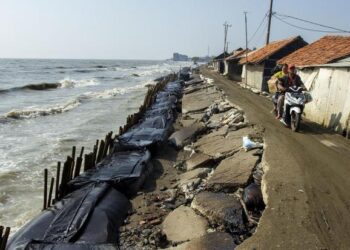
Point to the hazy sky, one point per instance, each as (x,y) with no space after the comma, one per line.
(149,29)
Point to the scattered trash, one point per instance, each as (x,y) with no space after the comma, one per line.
(249,144)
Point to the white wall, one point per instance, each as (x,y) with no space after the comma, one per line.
(330,90)
(255,75)
(226,68)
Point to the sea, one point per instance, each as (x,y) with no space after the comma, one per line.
(48,106)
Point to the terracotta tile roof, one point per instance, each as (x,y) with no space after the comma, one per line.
(237,54)
(268,50)
(325,50)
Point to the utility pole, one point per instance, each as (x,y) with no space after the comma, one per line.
(226,26)
(269,23)
(246,48)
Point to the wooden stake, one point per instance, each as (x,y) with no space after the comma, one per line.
(81,152)
(5,238)
(58,173)
(78,166)
(49,200)
(45,188)
(100,151)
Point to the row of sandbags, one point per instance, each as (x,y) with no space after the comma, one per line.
(90,215)
(156,123)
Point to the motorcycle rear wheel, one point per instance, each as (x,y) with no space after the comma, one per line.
(295,121)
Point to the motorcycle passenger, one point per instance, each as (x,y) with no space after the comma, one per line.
(278,76)
(290,80)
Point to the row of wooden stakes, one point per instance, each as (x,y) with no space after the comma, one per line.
(4,235)
(72,166)
(133,119)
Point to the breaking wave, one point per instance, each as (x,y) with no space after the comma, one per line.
(33,112)
(39,86)
(41,111)
(71,83)
(65,83)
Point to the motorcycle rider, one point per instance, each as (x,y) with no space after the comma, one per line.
(290,80)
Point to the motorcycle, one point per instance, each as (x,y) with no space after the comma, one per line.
(294,103)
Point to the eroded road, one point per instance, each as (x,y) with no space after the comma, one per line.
(307,184)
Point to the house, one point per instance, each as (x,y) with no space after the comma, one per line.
(233,70)
(324,67)
(218,62)
(260,63)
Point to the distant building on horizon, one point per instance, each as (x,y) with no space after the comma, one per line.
(179,57)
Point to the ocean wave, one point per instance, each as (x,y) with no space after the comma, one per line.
(65,83)
(38,86)
(41,111)
(33,112)
(109,93)
(71,83)
(83,70)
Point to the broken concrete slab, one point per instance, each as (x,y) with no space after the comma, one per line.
(199,100)
(182,246)
(196,116)
(219,132)
(233,172)
(211,241)
(188,122)
(217,146)
(193,174)
(220,209)
(184,136)
(184,224)
(197,160)
(215,119)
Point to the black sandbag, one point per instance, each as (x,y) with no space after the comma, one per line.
(74,219)
(253,198)
(68,246)
(164,96)
(174,88)
(138,138)
(159,122)
(124,170)
(167,111)
(163,104)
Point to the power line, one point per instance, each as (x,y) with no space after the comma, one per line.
(314,23)
(256,31)
(303,28)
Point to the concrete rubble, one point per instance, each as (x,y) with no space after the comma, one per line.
(203,196)
(184,224)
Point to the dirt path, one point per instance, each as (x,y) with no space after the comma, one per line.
(307,181)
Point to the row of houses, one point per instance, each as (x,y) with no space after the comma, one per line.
(324,67)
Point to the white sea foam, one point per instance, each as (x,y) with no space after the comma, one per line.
(32,112)
(71,83)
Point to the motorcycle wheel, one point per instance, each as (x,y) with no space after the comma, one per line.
(295,121)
